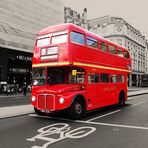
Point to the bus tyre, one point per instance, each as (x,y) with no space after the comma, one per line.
(77,110)
(121,99)
(38,111)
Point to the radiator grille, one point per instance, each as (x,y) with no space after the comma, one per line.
(46,102)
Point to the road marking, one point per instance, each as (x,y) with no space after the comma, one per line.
(104,115)
(113,125)
(61,131)
(95,123)
(139,103)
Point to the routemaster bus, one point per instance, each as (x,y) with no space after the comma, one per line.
(77,71)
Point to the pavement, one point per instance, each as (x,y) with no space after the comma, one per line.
(6,112)
(135,91)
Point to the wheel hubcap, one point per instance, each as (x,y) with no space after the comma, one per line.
(78,108)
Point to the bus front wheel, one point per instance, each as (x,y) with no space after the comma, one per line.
(76,110)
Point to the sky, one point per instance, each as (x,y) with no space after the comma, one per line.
(135,12)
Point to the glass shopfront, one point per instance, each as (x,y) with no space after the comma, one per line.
(19,70)
(15,68)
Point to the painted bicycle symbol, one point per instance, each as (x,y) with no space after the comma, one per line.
(63,131)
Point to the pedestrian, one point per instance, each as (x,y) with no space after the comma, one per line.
(5,89)
(25,88)
(8,89)
(0,88)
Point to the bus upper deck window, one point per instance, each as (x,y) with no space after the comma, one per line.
(77,38)
(91,42)
(103,47)
(112,49)
(126,54)
(120,53)
(59,39)
(43,42)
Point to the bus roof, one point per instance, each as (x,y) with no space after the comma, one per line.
(71,26)
(54,28)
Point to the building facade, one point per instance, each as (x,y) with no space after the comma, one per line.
(20,20)
(71,16)
(146,59)
(118,30)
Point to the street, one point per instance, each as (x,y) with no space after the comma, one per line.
(111,127)
(14,100)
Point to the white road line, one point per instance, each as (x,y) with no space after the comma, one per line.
(136,104)
(94,123)
(104,115)
(129,98)
(114,125)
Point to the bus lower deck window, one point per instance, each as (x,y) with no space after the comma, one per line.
(104,78)
(121,78)
(93,78)
(113,78)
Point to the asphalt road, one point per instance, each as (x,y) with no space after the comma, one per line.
(16,100)
(19,99)
(112,127)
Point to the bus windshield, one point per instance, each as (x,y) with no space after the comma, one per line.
(38,76)
(62,75)
(57,75)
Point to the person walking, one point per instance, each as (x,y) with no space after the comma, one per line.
(25,88)
(8,89)
(5,89)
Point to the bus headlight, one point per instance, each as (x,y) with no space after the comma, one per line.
(33,98)
(61,100)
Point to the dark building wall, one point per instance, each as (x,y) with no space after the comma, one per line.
(3,64)
(15,66)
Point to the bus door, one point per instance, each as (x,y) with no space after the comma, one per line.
(108,89)
(93,90)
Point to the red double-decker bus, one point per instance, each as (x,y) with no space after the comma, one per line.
(77,71)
